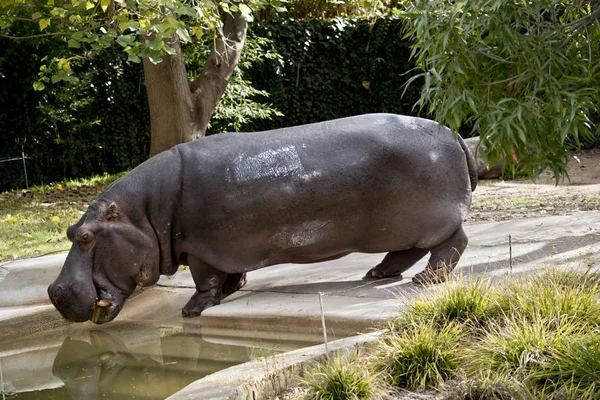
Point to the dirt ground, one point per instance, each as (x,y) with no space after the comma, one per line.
(497,200)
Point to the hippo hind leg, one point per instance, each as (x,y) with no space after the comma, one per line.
(233,283)
(444,258)
(396,262)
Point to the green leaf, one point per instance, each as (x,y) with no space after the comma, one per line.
(38,86)
(72,43)
(131,57)
(183,35)
(125,40)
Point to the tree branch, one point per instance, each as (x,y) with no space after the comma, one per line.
(210,86)
(35,36)
(495,57)
(511,79)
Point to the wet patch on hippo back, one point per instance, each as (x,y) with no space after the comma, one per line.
(271,164)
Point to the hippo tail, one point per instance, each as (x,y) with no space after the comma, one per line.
(470,162)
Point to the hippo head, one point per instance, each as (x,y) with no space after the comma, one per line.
(111,255)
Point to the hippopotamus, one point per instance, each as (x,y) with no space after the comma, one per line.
(232,203)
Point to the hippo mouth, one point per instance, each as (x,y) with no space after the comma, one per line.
(106,307)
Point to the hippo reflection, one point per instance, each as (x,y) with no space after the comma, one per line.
(105,368)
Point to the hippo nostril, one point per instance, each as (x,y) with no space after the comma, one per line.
(56,290)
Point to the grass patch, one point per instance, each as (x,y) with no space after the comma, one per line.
(34,222)
(517,346)
(532,338)
(553,295)
(469,301)
(343,378)
(422,355)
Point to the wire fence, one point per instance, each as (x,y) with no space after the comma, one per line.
(22,158)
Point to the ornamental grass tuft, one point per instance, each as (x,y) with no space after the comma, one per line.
(343,378)
(471,301)
(421,355)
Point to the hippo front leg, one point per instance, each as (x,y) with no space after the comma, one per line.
(209,288)
(233,283)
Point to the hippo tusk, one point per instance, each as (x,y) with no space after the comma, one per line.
(100,310)
(103,303)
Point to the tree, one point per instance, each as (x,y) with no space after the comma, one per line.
(151,32)
(525,75)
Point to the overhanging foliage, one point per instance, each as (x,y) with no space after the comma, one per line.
(523,74)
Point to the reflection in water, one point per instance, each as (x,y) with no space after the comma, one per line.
(103,367)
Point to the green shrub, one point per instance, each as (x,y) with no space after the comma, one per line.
(421,355)
(573,367)
(342,378)
(553,294)
(469,300)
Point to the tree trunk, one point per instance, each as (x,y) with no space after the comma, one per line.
(180,111)
(169,100)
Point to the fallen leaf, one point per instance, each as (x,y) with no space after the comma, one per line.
(11,220)
(55,219)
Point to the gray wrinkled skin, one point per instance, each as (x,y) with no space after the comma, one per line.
(233,203)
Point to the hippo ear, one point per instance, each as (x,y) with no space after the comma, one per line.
(112,212)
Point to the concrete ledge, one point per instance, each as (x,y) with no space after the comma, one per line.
(262,378)
(25,282)
(299,313)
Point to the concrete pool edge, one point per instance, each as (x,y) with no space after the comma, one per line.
(266,377)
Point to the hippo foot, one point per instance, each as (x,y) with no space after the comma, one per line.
(431,276)
(233,283)
(199,302)
(374,273)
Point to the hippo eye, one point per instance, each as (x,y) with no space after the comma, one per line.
(85,237)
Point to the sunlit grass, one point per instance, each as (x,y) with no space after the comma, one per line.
(422,355)
(528,338)
(467,300)
(34,222)
(343,378)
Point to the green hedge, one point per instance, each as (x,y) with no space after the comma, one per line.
(101,124)
(334,69)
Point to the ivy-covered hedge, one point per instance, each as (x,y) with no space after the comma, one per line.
(335,69)
(99,124)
